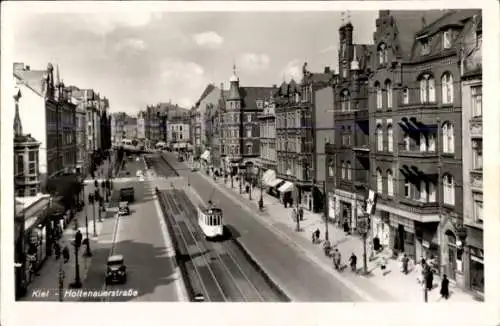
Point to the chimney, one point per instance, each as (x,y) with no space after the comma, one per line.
(327,70)
(275,86)
(27,68)
(18,66)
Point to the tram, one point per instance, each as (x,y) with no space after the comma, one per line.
(210,221)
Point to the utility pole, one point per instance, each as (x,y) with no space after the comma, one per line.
(61,280)
(325,208)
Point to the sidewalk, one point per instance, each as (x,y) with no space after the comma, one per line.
(48,279)
(389,286)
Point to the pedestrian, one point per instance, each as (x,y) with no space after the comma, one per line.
(57,250)
(65,253)
(317,233)
(405,261)
(336,258)
(346,226)
(429,279)
(353,261)
(301,213)
(383,265)
(445,291)
(294,214)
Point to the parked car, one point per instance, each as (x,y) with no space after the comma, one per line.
(116,271)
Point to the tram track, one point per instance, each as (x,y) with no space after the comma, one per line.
(218,270)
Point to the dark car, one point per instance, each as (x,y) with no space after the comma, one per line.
(116,271)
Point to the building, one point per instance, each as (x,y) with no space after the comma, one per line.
(82,163)
(141,125)
(49,117)
(26,158)
(130,128)
(472,154)
(157,118)
(118,121)
(240,127)
(267,133)
(296,144)
(178,135)
(208,100)
(416,119)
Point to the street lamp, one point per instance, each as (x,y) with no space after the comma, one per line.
(241,180)
(261,200)
(87,251)
(325,208)
(77,284)
(61,277)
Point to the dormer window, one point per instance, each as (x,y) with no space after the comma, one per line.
(344,72)
(447,39)
(425,47)
(297,97)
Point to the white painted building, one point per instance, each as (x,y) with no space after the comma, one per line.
(178,135)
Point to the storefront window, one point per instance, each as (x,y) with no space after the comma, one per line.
(477,274)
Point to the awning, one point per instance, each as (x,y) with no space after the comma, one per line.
(274,182)
(267,176)
(205,156)
(286,187)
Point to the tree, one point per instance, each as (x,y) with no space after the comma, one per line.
(66,187)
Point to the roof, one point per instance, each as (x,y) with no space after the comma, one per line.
(208,90)
(449,18)
(250,95)
(318,77)
(33,79)
(24,139)
(407,24)
(115,258)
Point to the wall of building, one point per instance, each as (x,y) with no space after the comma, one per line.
(211,99)
(32,112)
(323,128)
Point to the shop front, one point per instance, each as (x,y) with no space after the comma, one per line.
(427,241)
(287,195)
(402,236)
(474,264)
(332,207)
(381,227)
(347,205)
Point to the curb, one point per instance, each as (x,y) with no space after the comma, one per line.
(269,280)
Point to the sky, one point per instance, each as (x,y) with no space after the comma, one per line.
(140,58)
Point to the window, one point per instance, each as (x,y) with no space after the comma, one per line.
(390,138)
(345,103)
(249,148)
(432,192)
(343,170)
(390,183)
(32,168)
(447,40)
(348,170)
(249,115)
(331,171)
(407,188)
(379,181)
(249,132)
(427,89)
(20,165)
(448,190)
(477,101)
(477,154)
(478,210)
(431,139)
(382,53)
(388,90)
(424,47)
(423,191)
(180,128)
(380,138)
(406,96)
(378,91)
(447,88)
(406,141)
(344,72)
(423,142)
(448,138)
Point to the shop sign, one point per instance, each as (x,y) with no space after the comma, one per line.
(426,244)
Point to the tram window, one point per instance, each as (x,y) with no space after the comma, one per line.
(211,220)
(218,219)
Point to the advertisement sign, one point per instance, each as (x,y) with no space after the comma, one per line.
(371,202)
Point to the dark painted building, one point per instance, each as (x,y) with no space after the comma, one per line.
(415,119)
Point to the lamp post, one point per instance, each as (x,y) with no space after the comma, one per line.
(261,200)
(87,251)
(60,282)
(241,180)
(325,208)
(232,181)
(77,243)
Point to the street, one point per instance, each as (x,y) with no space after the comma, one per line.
(293,272)
(140,240)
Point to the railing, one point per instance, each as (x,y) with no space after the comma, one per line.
(414,151)
(361,141)
(416,206)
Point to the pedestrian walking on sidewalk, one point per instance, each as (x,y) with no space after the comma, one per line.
(336,258)
(301,214)
(404,262)
(445,291)
(429,278)
(346,226)
(316,235)
(57,250)
(65,254)
(353,260)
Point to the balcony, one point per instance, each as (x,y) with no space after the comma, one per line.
(418,207)
(476,180)
(415,152)
(476,127)
(361,178)
(361,114)
(361,142)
